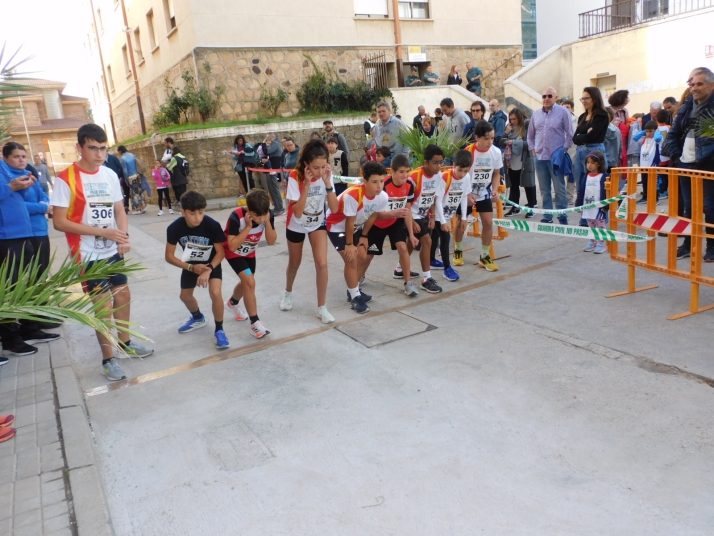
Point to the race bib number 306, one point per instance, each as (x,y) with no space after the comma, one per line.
(101,214)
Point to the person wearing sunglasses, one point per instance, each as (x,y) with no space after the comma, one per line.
(550,134)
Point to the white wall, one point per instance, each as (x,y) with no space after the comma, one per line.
(558,23)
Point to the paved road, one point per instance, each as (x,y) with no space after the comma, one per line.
(523,402)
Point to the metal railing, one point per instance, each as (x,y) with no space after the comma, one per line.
(622,14)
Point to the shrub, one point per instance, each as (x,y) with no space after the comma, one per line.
(272,102)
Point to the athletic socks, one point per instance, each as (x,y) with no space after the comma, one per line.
(234,301)
(219,325)
(485,250)
(457,245)
(399,267)
(427,275)
(254,319)
(354,292)
(197,315)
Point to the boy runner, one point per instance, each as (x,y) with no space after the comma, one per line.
(451,198)
(485,178)
(348,228)
(243,231)
(398,224)
(89,208)
(425,180)
(201,239)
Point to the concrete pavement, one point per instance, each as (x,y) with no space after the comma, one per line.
(523,402)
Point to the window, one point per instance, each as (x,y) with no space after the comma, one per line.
(125,56)
(137,46)
(414,10)
(150,25)
(99,21)
(99,93)
(170,15)
(110,79)
(371,8)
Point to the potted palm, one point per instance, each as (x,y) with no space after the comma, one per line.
(417,141)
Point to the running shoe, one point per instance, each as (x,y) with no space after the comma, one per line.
(410,290)
(324,315)
(258,329)
(6,433)
(709,254)
(513,212)
(547,220)
(600,248)
(6,420)
(134,349)
(113,371)
(530,215)
(450,274)
(563,221)
(19,348)
(488,263)
(664,195)
(238,310)
(399,274)
(47,324)
(279,213)
(359,305)
(365,297)
(287,302)
(458,257)
(160,213)
(192,324)
(3,361)
(171,211)
(430,286)
(683,252)
(642,201)
(590,247)
(40,336)
(221,339)
(436,264)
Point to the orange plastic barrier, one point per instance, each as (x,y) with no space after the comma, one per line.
(655,222)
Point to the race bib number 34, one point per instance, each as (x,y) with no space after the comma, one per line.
(101,214)
(196,253)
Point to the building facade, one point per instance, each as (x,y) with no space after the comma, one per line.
(47,120)
(248,47)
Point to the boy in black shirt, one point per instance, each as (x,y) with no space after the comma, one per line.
(201,238)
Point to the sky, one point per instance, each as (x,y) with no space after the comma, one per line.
(54,32)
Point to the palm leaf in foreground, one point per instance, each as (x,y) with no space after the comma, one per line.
(36,297)
(417,141)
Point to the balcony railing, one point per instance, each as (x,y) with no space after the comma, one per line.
(622,14)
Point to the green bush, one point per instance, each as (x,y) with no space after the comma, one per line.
(322,92)
(272,102)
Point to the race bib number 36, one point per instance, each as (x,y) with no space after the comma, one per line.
(101,214)
(196,253)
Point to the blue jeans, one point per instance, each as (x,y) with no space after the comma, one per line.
(546,177)
(685,190)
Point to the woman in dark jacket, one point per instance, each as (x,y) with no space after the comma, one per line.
(454,78)
(590,132)
(244,156)
(519,161)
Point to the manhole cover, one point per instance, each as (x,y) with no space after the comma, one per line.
(384,329)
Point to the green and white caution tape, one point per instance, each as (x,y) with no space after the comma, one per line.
(347,180)
(570,231)
(560,212)
(621,213)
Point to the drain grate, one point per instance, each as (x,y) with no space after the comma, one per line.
(384,329)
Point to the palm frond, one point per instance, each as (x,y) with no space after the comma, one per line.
(10,89)
(417,141)
(28,293)
(705,126)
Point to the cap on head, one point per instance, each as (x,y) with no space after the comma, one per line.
(415,68)
(327,121)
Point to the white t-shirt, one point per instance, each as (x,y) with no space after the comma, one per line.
(592,195)
(424,192)
(354,202)
(92,196)
(452,198)
(482,170)
(648,150)
(313,215)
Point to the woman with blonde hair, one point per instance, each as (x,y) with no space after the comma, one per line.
(427,126)
(454,78)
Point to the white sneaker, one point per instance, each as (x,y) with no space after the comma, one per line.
(171,211)
(324,315)
(160,213)
(258,329)
(287,303)
(238,310)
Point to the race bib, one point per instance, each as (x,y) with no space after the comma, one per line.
(196,253)
(481,181)
(312,220)
(314,213)
(246,248)
(396,203)
(425,201)
(101,214)
(452,202)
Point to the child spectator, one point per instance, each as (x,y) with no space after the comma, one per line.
(593,192)
(649,141)
(664,119)
(613,142)
(163,179)
(382,154)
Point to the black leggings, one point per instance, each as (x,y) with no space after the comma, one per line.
(41,245)
(440,239)
(179,190)
(515,192)
(245,176)
(13,332)
(164,193)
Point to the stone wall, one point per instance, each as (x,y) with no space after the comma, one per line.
(212,170)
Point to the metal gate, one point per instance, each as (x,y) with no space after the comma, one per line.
(375,70)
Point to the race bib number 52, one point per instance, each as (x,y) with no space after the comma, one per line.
(196,253)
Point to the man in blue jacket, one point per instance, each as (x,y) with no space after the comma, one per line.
(688,149)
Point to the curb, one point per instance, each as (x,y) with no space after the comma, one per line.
(91,508)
